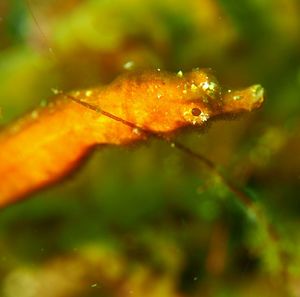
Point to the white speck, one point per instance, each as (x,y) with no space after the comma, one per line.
(128,65)
(172,144)
(180,74)
(204,85)
(159,96)
(237,97)
(56,91)
(88,93)
(229,91)
(136,131)
(158,69)
(94,285)
(194,88)
(204,116)
(195,278)
(184,91)
(211,86)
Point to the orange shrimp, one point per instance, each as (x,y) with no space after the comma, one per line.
(50,142)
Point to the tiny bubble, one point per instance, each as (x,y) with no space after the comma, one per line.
(56,91)
(195,278)
(194,88)
(237,97)
(180,74)
(94,285)
(128,65)
(88,93)
(204,116)
(205,85)
(172,144)
(136,131)
(211,86)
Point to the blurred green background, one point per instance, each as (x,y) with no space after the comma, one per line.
(147,220)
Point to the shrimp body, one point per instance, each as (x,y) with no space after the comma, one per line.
(50,142)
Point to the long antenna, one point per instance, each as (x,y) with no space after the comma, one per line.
(30,9)
(243,197)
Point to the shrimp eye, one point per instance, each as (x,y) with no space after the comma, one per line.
(196,112)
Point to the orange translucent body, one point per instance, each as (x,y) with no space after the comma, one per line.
(46,145)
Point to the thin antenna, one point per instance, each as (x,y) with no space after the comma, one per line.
(105,113)
(243,197)
(30,9)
